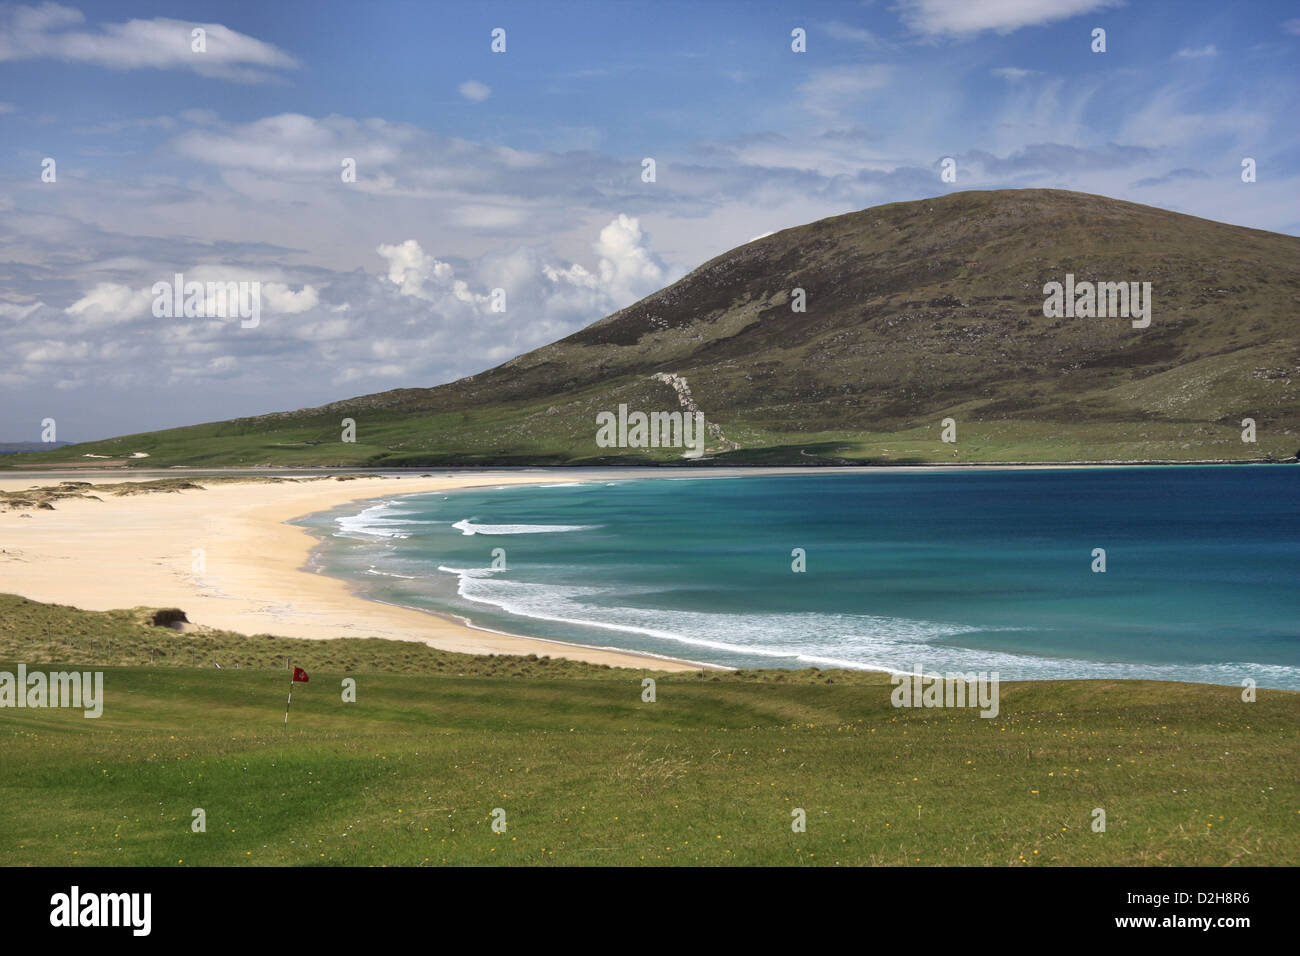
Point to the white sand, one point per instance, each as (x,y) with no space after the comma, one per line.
(139,550)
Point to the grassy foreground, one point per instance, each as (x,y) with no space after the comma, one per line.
(588,773)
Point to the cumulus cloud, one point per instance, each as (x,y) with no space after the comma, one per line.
(277,297)
(410,319)
(629,270)
(418,274)
(52,31)
(114,303)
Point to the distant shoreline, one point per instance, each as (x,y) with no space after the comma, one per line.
(120,470)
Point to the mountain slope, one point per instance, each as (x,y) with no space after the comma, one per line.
(915,312)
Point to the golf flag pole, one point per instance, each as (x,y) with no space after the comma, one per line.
(297,674)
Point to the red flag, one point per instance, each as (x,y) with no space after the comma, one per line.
(300,675)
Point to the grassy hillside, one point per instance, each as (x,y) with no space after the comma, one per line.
(587,773)
(916,312)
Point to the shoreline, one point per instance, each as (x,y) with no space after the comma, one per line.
(124,466)
(258,576)
(228,557)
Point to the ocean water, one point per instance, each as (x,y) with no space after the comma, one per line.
(960,571)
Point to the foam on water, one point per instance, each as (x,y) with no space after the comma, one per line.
(377,521)
(859,642)
(469,526)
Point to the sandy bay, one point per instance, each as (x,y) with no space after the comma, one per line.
(139,550)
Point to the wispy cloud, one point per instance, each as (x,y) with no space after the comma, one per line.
(1012,73)
(52,31)
(965,18)
(848,33)
(1173,176)
(836,88)
(474,91)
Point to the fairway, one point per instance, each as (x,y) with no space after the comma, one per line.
(586,772)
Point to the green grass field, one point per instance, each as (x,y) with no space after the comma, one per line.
(587,773)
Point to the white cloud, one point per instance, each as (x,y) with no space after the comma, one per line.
(290,144)
(410,267)
(11,310)
(1012,73)
(6,108)
(963,18)
(629,270)
(1292,26)
(851,34)
(834,89)
(51,31)
(475,91)
(54,351)
(1190,54)
(111,302)
(1170,119)
(280,298)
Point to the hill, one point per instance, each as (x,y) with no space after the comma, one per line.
(915,312)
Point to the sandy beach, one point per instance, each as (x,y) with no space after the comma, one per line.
(140,550)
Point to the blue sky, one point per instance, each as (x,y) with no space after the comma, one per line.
(522,170)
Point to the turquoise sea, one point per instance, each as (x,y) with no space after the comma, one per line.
(952,571)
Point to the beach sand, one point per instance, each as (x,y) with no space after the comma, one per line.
(139,550)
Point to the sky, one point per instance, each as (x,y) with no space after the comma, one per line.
(523,170)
